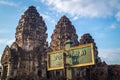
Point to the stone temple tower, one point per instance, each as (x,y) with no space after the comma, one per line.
(24,60)
(63,31)
(28,31)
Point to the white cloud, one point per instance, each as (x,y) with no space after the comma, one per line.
(99,35)
(89,8)
(118,16)
(114,3)
(6,41)
(86,8)
(47,17)
(111,56)
(113,26)
(8,3)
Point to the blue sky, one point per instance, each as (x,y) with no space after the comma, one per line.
(100,18)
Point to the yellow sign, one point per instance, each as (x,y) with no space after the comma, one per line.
(55,60)
(82,55)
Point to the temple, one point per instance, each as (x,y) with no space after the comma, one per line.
(26,58)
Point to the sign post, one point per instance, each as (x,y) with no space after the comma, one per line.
(67,61)
(71,57)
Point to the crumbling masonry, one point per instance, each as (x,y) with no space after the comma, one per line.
(26,58)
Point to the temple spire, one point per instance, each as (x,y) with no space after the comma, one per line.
(64,30)
(31,30)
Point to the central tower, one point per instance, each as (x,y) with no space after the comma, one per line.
(64,30)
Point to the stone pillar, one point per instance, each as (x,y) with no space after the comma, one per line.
(9,70)
(2,72)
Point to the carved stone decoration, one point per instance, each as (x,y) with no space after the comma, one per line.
(6,60)
(28,31)
(114,72)
(23,60)
(63,31)
(6,55)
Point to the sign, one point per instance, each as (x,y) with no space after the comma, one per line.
(80,56)
(55,60)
